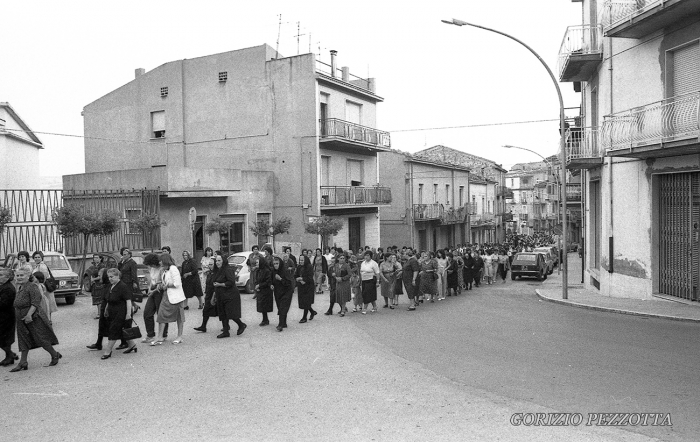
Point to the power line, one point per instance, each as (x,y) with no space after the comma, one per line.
(474,125)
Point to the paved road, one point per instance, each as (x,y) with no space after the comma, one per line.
(453,370)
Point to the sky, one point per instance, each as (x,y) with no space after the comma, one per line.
(60,56)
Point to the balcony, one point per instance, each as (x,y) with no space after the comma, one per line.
(444,213)
(638,18)
(573,193)
(666,128)
(505,192)
(582,148)
(344,134)
(354,196)
(580,53)
(482,219)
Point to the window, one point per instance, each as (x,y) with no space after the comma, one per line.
(447,195)
(223,76)
(158,124)
(684,67)
(355,171)
(232,241)
(353,112)
(483,200)
(131,214)
(164,91)
(489,207)
(461,201)
(435,192)
(420,194)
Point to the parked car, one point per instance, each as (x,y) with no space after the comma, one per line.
(530,264)
(238,261)
(553,256)
(111,259)
(68,282)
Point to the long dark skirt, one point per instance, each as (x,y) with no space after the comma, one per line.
(369,290)
(305,295)
(116,321)
(209,310)
(284,300)
(263,300)
(229,306)
(503,271)
(36,334)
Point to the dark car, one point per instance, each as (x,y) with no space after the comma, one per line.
(111,260)
(529,264)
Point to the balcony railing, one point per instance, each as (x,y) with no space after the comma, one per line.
(482,218)
(336,129)
(580,52)
(445,213)
(637,18)
(355,196)
(573,192)
(583,148)
(672,119)
(472,208)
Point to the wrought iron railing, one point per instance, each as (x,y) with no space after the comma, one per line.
(580,40)
(482,218)
(336,128)
(354,195)
(472,208)
(582,142)
(573,192)
(616,12)
(445,213)
(666,120)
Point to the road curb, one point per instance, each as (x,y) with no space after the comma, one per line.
(614,310)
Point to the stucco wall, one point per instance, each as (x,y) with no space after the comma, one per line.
(20,164)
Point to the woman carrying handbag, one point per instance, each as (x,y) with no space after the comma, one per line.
(172,306)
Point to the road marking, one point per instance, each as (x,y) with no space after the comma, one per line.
(59,394)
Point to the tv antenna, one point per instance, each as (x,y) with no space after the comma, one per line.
(299,34)
(279,31)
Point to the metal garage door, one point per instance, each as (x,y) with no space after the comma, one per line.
(679,228)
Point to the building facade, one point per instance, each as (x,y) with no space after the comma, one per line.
(637,65)
(19,150)
(430,202)
(243,135)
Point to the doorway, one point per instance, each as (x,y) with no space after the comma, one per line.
(354,230)
(198,238)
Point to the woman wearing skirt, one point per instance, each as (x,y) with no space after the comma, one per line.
(342,285)
(369,274)
(428,276)
(172,306)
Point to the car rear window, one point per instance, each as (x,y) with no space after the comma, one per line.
(526,258)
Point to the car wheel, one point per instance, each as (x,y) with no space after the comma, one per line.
(540,276)
(249,286)
(512,276)
(70,299)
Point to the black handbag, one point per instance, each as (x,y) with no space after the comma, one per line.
(137,296)
(50,282)
(133,332)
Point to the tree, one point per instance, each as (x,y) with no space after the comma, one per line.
(147,224)
(75,221)
(271,228)
(5,217)
(324,226)
(217,225)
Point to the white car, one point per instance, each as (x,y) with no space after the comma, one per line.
(238,262)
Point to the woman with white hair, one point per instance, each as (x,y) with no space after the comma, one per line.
(33,328)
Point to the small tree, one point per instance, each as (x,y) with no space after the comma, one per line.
(5,218)
(324,226)
(271,228)
(147,224)
(217,225)
(74,221)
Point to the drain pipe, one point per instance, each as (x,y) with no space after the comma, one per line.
(611,249)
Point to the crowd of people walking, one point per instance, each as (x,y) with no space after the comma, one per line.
(350,277)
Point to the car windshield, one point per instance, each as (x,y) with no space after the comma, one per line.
(138,260)
(526,258)
(236,259)
(56,262)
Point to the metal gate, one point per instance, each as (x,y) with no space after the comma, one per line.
(679,228)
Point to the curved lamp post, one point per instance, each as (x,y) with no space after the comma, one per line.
(562,146)
(556,180)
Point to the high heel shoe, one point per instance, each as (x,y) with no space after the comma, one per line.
(54,361)
(134,349)
(107,356)
(20,366)
(312,313)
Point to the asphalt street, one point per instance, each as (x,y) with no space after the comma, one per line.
(453,370)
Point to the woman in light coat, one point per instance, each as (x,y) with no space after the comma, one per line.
(172,306)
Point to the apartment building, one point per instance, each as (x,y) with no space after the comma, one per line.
(637,66)
(243,135)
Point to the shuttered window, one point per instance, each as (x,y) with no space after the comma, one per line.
(158,124)
(353,112)
(355,172)
(686,69)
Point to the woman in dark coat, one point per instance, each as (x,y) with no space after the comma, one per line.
(100,289)
(115,313)
(468,270)
(226,296)
(7,316)
(263,287)
(191,284)
(283,284)
(304,277)
(452,270)
(209,310)
(342,275)
(33,327)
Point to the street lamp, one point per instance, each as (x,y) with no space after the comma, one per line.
(562,145)
(556,180)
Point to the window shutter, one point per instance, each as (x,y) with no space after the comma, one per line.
(686,69)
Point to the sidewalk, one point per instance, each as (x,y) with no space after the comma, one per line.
(659,307)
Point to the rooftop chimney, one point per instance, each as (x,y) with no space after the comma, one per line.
(138,72)
(333,62)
